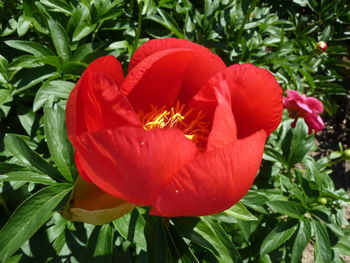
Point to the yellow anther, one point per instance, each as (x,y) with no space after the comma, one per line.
(194,125)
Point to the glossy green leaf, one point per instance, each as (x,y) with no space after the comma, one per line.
(297,143)
(131,227)
(277,237)
(208,234)
(289,208)
(167,21)
(3,68)
(181,251)
(59,89)
(100,245)
(61,151)
(30,47)
(33,161)
(323,251)
(14,172)
(302,238)
(23,25)
(29,217)
(157,240)
(343,246)
(240,211)
(60,39)
(83,30)
(58,6)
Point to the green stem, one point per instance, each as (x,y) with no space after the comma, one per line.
(336,161)
(245,20)
(138,29)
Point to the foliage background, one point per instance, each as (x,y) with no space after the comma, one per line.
(45,45)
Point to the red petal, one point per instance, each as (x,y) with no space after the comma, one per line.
(95,104)
(213,181)
(256,99)
(214,100)
(109,66)
(204,65)
(157,79)
(131,163)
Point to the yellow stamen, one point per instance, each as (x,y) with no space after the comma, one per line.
(195,127)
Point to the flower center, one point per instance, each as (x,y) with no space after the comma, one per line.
(194,125)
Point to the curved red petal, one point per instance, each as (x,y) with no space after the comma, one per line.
(256,99)
(215,101)
(131,163)
(213,181)
(109,66)
(204,64)
(157,79)
(95,104)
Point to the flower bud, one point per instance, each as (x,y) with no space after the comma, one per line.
(322,45)
(322,200)
(347,154)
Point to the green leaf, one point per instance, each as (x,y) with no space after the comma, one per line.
(29,217)
(31,47)
(34,81)
(297,143)
(3,68)
(167,21)
(54,61)
(83,30)
(54,88)
(131,227)
(301,240)
(240,211)
(60,39)
(86,50)
(209,235)
(157,241)
(277,237)
(14,172)
(323,251)
(100,245)
(289,208)
(180,248)
(58,6)
(23,25)
(343,246)
(61,151)
(308,77)
(18,147)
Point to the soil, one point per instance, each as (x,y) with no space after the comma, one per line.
(337,131)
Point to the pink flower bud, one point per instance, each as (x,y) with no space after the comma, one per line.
(322,45)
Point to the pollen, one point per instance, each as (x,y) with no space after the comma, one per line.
(193,125)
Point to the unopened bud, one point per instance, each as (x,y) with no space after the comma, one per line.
(322,45)
(322,200)
(347,154)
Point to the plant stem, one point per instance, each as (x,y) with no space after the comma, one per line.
(245,20)
(138,29)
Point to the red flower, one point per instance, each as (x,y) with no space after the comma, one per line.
(181,132)
(298,105)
